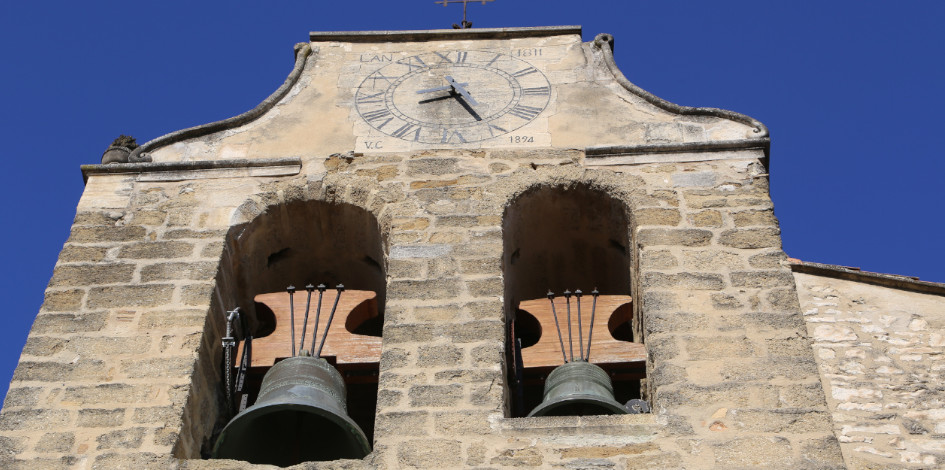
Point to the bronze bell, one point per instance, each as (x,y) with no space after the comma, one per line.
(300,416)
(578,388)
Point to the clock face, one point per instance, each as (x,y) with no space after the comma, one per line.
(452,97)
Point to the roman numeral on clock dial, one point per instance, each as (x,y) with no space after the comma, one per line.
(406,129)
(525,112)
(450,98)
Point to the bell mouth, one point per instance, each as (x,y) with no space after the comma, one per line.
(578,388)
(579,405)
(299,417)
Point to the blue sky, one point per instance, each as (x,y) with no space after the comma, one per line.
(851,91)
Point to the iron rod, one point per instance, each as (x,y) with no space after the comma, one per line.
(308,303)
(567,297)
(318,311)
(340,288)
(578,294)
(590,333)
(551,298)
(291,291)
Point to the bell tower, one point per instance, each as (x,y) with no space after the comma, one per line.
(464,248)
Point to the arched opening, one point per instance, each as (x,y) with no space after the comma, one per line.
(310,241)
(567,238)
(296,244)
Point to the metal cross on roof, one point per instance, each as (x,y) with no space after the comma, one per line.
(465,24)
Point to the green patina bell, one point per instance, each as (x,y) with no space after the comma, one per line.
(300,416)
(578,388)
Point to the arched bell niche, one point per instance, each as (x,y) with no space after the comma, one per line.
(565,237)
(318,242)
(311,241)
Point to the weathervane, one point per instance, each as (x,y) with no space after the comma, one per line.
(465,24)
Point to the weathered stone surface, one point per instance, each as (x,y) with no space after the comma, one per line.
(527,457)
(118,460)
(432,166)
(429,453)
(98,234)
(658,259)
(177,234)
(598,452)
(152,250)
(726,302)
(718,348)
(762,279)
(96,218)
(36,419)
(191,318)
(697,281)
(711,260)
(751,238)
(435,395)
(772,259)
(877,350)
(441,355)
(174,271)
(55,442)
(474,331)
(424,289)
(149,217)
(51,323)
(657,217)
(674,237)
(196,294)
(22,397)
(129,296)
(78,253)
(164,367)
(107,394)
(666,461)
(63,301)
(92,274)
(754,452)
(56,372)
(43,346)
(100,418)
(457,423)
(750,218)
(707,218)
(696,179)
(411,423)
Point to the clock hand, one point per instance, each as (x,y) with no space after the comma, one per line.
(462,91)
(441,88)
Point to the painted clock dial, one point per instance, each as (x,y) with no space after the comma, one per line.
(452,97)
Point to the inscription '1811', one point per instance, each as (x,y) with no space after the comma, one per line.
(452,97)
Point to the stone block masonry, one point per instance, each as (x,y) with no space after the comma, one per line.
(881,353)
(122,365)
(667,204)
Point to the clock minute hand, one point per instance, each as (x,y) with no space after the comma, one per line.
(462,91)
(439,88)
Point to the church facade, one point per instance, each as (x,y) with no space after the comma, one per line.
(452,178)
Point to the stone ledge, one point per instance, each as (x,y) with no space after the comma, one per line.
(677,152)
(854,274)
(179,171)
(432,34)
(632,428)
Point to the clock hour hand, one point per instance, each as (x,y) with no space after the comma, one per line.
(462,91)
(439,88)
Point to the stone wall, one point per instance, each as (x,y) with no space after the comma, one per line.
(121,369)
(880,351)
